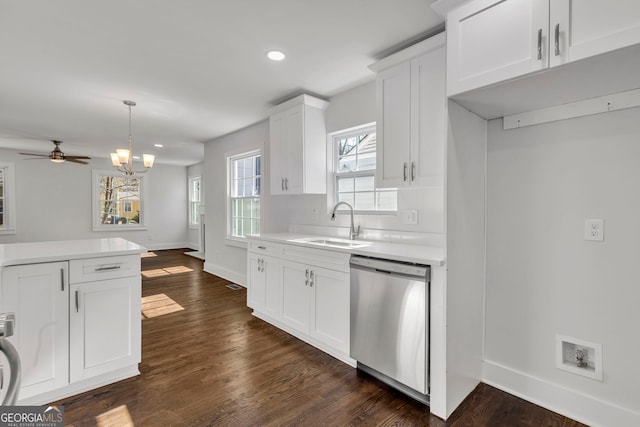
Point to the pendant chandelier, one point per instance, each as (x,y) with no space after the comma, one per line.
(122,159)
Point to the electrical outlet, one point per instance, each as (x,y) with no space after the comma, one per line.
(314,216)
(579,357)
(594,230)
(410,217)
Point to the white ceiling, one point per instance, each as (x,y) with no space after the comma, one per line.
(196,68)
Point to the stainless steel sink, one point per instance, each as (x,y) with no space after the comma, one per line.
(338,243)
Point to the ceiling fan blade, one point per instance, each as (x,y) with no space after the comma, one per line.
(76,157)
(75,160)
(35,154)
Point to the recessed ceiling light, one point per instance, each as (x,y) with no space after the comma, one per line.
(158,145)
(275,55)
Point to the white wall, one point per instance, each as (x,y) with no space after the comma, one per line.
(53,202)
(193,231)
(543,279)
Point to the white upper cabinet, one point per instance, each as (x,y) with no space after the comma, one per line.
(410,96)
(491,41)
(586,28)
(297,147)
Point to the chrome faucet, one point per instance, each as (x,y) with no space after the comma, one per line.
(353,232)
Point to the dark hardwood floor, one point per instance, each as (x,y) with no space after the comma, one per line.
(207,361)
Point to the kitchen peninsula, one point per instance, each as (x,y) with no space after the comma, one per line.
(77,311)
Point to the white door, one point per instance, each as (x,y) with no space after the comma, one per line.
(38,294)
(428,121)
(489,41)
(588,27)
(330,312)
(257,288)
(295,296)
(105,328)
(393,133)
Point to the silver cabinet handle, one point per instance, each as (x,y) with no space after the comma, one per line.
(282,184)
(61,280)
(1,377)
(262,265)
(540,44)
(311,281)
(557,37)
(77,303)
(413,171)
(306,273)
(404,171)
(286,184)
(258,268)
(111,267)
(262,247)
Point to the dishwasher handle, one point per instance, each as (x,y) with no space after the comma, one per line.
(391,267)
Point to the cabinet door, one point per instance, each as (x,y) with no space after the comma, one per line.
(428,121)
(105,329)
(489,41)
(330,311)
(589,27)
(273,287)
(38,294)
(295,296)
(277,153)
(256,294)
(393,92)
(294,130)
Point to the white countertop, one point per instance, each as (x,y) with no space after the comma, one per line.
(36,252)
(419,254)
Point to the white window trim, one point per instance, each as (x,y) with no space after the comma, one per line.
(331,177)
(95,203)
(229,156)
(190,180)
(9,206)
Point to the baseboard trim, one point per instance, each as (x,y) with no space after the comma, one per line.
(225,273)
(568,402)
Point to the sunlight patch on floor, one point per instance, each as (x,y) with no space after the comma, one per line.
(147,254)
(157,272)
(158,305)
(116,417)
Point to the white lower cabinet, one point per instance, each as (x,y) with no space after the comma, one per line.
(67,332)
(265,292)
(309,290)
(104,326)
(38,294)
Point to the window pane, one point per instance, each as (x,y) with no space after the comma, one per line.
(235,227)
(346,197)
(347,164)
(258,166)
(246,208)
(255,226)
(365,201)
(345,184)
(365,183)
(248,186)
(255,208)
(246,226)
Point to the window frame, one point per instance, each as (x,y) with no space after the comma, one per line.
(95,203)
(332,185)
(230,157)
(9,198)
(192,179)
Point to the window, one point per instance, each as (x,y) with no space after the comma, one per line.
(7,201)
(118,201)
(194,201)
(244,194)
(355,172)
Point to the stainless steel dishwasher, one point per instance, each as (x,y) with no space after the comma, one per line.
(390,323)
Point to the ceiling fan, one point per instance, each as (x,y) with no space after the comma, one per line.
(58,156)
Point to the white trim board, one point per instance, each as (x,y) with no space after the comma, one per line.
(555,397)
(225,273)
(587,107)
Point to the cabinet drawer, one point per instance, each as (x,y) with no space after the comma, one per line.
(263,247)
(92,269)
